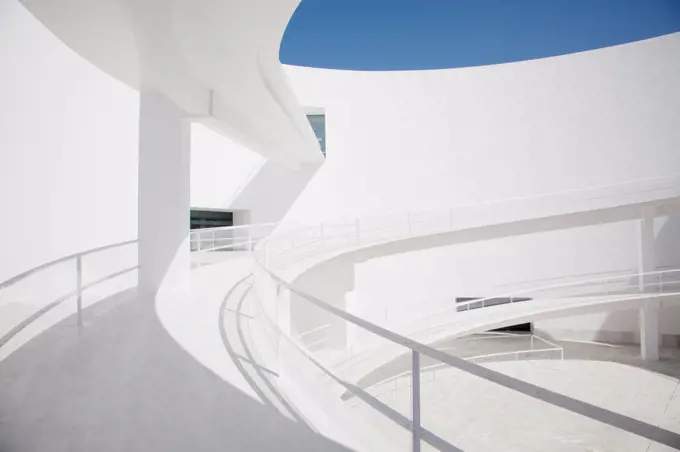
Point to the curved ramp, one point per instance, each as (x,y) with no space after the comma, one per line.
(123,383)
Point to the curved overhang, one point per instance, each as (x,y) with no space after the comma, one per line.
(216,59)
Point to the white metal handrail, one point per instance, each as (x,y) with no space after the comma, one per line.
(553,347)
(673,180)
(279,249)
(79,287)
(417,348)
(282,247)
(431,369)
(514,297)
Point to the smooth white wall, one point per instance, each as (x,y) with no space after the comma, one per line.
(68,174)
(398,141)
(220,168)
(68,148)
(432,139)
(496,267)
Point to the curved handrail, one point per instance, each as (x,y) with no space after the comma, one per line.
(80,287)
(514,296)
(283,246)
(33,270)
(418,348)
(344,235)
(551,347)
(512,199)
(364,232)
(410,220)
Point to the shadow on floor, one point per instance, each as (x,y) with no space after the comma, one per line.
(123,384)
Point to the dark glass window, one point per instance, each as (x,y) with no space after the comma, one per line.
(318,123)
(201,219)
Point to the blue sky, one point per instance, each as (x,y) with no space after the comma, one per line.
(429,34)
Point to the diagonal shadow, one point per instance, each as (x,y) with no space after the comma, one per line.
(123,384)
(249,358)
(261,371)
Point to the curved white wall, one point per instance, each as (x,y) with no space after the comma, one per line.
(68,148)
(433,139)
(427,139)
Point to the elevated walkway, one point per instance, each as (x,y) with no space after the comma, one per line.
(121,382)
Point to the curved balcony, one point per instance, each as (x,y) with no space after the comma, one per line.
(401,411)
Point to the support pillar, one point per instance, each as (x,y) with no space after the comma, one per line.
(649,332)
(163,200)
(649,312)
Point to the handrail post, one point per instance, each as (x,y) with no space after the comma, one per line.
(79,290)
(250,241)
(415,399)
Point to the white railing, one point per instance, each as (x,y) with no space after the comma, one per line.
(38,298)
(289,243)
(303,243)
(284,246)
(554,351)
(629,287)
(230,238)
(289,355)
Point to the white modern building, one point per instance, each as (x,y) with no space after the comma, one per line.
(479,259)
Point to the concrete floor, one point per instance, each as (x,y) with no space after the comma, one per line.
(476,345)
(145,376)
(123,384)
(475,415)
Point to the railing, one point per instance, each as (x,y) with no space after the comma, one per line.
(315,369)
(303,243)
(549,350)
(663,284)
(289,243)
(230,238)
(315,360)
(36,299)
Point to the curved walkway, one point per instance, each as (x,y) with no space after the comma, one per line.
(123,384)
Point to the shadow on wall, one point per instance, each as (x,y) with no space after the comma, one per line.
(622,326)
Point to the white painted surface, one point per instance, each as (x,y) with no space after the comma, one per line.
(164,186)
(473,414)
(194,321)
(481,269)
(220,168)
(217,60)
(68,149)
(272,190)
(398,141)
(411,140)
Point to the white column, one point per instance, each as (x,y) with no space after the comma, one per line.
(646,246)
(164,181)
(649,331)
(649,313)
